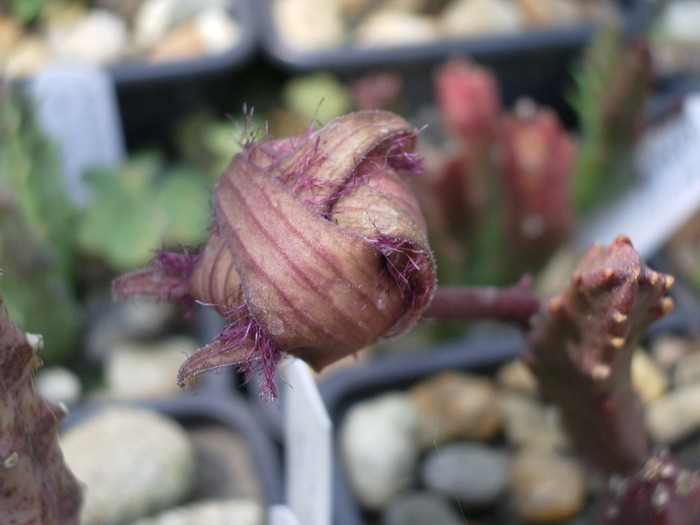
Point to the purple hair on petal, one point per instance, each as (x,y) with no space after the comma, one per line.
(263,357)
(405,264)
(401,155)
(167,277)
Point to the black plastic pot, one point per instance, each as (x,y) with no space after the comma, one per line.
(481,354)
(153,96)
(536,64)
(135,74)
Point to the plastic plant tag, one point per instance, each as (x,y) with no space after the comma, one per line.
(667,192)
(78,109)
(281,515)
(308,447)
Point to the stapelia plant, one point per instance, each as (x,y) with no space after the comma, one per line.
(580,349)
(317,249)
(36,486)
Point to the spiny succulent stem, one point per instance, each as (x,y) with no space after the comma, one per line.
(36,485)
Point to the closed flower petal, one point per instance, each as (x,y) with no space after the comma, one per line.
(317,249)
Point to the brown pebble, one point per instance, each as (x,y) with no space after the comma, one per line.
(456,405)
(546,487)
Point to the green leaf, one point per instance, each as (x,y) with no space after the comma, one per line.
(185,201)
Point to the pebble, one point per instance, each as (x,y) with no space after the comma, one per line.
(474,474)
(675,415)
(667,350)
(213,512)
(225,468)
(210,32)
(59,385)
(294,18)
(218,31)
(469,18)
(515,375)
(391,27)
(529,422)
(112,322)
(546,487)
(687,370)
(140,370)
(99,37)
(155,18)
(420,508)
(133,462)
(648,378)
(180,43)
(551,12)
(456,405)
(379,450)
(29,55)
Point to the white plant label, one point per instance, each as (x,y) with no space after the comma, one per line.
(77,107)
(281,515)
(308,447)
(668,190)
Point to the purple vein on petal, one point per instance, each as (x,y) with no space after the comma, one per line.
(295,270)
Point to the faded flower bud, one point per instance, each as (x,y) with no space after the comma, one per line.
(317,249)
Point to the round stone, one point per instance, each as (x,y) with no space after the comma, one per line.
(530,422)
(456,405)
(675,415)
(419,508)
(133,462)
(145,370)
(59,385)
(475,474)
(648,378)
(379,450)
(546,487)
(516,376)
(687,371)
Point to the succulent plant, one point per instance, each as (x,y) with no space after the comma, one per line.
(658,492)
(497,190)
(37,219)
(580,348)
(151,204)
(613,84)
(36,485)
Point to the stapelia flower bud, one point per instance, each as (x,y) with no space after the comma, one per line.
(317,249)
